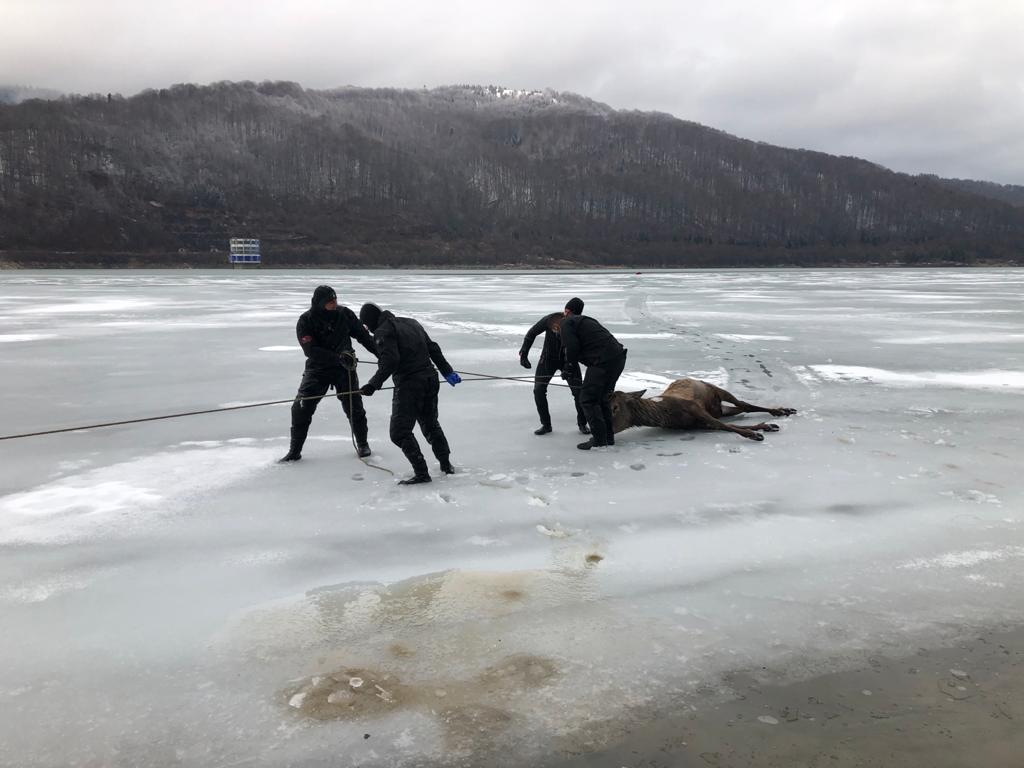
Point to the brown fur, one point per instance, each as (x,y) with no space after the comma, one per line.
(688,404)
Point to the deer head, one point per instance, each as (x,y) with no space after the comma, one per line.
(623,408)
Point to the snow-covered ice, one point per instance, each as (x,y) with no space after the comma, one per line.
(171,595)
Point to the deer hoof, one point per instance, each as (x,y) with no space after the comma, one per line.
(754,436)
(782,411)
(771,427)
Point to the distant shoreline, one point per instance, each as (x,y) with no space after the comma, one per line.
(20,261)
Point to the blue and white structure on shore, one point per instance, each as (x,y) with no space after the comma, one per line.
(244,251)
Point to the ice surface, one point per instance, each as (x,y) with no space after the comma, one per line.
(171,596)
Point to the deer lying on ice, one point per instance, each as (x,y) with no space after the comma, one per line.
(688,404)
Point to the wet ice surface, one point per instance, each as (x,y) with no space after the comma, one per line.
(171,596)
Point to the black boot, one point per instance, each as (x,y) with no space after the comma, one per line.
(446,466)
(416,479)
(363,449)
(591,443)
(584,429)
(295,446)
(542,430)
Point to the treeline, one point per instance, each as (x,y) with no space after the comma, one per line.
(458,175)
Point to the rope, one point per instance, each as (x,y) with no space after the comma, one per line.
(172,415)
(520,379)
(181,414)
(348,414)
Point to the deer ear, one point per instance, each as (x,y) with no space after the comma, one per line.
(637,395)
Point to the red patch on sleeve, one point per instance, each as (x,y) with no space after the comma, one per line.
(305,339)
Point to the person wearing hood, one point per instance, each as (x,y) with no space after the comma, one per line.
(552,361)
(407,354)
(325,332)
(587,341)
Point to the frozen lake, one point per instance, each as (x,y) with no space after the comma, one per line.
(169,595)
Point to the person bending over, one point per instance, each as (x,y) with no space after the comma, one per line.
(587,341)
(407,354)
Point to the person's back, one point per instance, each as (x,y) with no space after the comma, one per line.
(406,350)
(587,341)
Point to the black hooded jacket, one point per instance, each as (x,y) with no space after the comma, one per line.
(587,341)
(325,334)
(404,350)
(551,355)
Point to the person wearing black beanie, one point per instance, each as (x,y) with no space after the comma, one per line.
(408,355)
(575,305)
(325,333)
(587,341)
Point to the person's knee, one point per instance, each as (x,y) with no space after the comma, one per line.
(400,430)
(302,412)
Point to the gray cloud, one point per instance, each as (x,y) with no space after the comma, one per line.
(919,86)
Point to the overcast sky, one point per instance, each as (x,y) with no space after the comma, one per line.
(916,85)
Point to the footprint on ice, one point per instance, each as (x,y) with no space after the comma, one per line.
(677,453)
(638,466)
(972,495)
(497,481)
(537,501)
(444,497)
(577,474)
(357,476)
(555,532)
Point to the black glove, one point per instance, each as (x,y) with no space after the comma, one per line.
(367,390)
(524,360)
(348,360)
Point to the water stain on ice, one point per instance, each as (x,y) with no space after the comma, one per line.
(473,713)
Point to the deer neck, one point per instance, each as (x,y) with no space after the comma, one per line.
(645,413)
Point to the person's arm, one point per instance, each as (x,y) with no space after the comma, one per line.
(309,346)
(387,355)
(571,342)
(538,328)
(438,359)
(358,331)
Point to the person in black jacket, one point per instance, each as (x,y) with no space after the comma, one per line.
(325,334)
(552,360)
(587,341)
(406,353)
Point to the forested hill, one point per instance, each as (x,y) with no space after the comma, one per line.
(454,175)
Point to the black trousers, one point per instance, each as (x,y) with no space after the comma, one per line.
(598,385)
(415,402)
(542,378)
(315,383)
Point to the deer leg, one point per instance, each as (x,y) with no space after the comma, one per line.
(711,422)
(742,407)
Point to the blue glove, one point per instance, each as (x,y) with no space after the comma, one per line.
(453,378)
